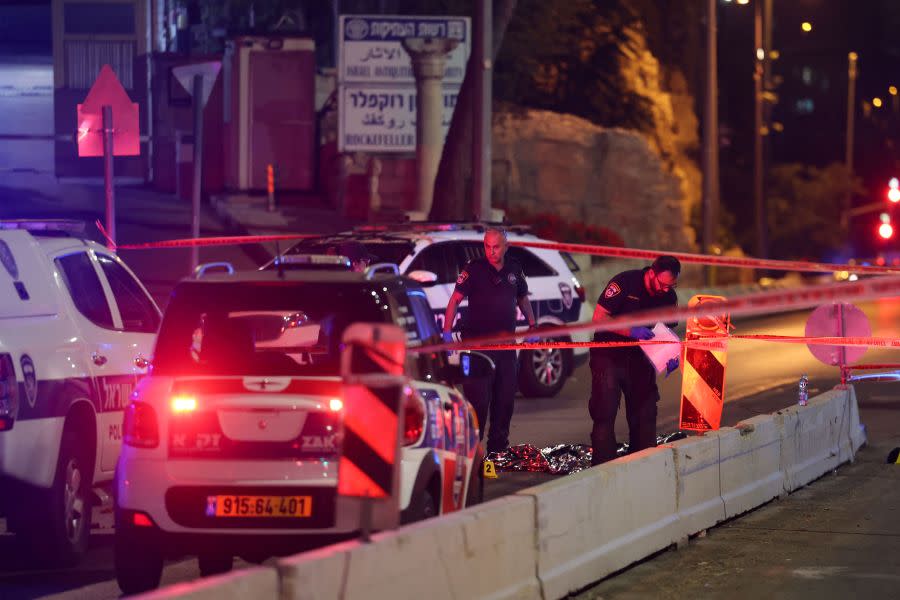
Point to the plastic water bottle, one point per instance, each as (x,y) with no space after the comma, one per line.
(803,394)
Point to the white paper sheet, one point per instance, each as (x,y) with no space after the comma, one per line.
(660,354)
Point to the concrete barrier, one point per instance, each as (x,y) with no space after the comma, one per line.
(698,498)
(484,552)
(855,433)
(600,520)
(550,540)
(316,574)
(750,464)
(257,582)
(811,436)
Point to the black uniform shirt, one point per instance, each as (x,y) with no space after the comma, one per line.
(625,293)
(492,296)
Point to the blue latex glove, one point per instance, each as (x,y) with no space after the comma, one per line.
(671,366)
(448,339)
(532,337)
(641,333)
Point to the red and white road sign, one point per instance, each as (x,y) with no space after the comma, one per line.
(208,71)
(107,91)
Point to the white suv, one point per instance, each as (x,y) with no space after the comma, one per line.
(435,253)
(77,328)
(232,445)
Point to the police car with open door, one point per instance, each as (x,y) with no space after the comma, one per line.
(435,253)
(232,444)
(76,332)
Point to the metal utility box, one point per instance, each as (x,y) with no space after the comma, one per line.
(269,112)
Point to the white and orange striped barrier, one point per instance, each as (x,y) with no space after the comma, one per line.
(703,379)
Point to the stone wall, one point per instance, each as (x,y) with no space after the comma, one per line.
(548,162)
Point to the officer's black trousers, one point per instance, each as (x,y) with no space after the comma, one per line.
(615,372)
(497,397)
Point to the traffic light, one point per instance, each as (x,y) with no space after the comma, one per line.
(893,192)
(885,229)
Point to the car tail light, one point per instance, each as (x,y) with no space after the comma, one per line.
(140,428)
(580,292)
(184,404)
(336,405)
(139,519)
(9,393)
(413,418)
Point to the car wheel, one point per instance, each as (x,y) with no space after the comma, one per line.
(138,562)
(58,520)
(214,564)
(542,373)
(475,491)
(421,507)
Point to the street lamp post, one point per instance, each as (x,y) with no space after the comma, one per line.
(758,169)
(851,98)
(710,139)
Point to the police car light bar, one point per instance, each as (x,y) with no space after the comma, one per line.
(61,225)
(319,260)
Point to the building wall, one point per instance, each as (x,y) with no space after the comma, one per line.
(87,35)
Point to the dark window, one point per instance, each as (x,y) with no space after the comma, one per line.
(434,258)
(137,310)
(471,251)
(262,328)
(98,18)
(570,262)
(85,288)
(424,315)
(462,253)
(418,321)
(531,264)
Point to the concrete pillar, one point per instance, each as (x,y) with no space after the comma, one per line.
(429,56)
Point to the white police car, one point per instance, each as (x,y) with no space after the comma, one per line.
(435,253)
(232,445)
(77,328)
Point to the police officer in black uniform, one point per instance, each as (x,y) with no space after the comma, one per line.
(494,285)
(628,371)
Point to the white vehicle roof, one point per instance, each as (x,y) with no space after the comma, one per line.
(27,287)
(438,232)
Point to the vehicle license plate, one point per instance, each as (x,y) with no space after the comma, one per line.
(259,506)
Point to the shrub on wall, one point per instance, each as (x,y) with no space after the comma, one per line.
(553,227)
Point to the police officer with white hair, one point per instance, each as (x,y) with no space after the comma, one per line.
(495,286)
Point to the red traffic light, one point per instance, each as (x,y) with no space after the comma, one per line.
(893,193)
(886,231)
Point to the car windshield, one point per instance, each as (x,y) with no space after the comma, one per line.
(261,328)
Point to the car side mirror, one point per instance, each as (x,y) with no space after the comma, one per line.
(425,278)
(472,367)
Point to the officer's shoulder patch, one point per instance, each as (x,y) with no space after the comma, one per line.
(511,278)
(612,290)
(463,275)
